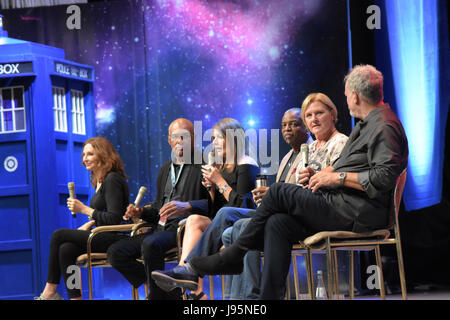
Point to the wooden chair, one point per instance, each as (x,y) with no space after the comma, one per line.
(96,259)
(329,242)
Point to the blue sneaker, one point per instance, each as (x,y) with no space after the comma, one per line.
(180,276)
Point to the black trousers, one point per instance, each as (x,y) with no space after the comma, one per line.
(66,245)
(150,246)
(288,213)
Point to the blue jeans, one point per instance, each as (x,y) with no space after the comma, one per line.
(244,286)
(211,240)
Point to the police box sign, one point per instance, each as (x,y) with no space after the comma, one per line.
(73,71)
(12,68)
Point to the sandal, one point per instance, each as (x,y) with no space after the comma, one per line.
(193,296)
(55,296)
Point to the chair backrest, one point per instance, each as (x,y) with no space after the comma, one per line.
(396,199)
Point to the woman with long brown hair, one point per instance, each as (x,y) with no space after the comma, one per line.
(107,206)
(230,181)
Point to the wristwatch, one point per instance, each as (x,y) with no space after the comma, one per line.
(342,177)
(222,189)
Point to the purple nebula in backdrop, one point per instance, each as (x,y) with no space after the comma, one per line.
(226,56)
(156,61)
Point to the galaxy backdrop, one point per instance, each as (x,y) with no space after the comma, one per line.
(156,61)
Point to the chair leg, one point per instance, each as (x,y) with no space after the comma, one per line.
(211,287)
(147,291)
(309,273)
(336,274)
(222,278)
(295,272)
(401,268)
(134,293)
(329,270)
(380,272)
(91,293)
(351,275)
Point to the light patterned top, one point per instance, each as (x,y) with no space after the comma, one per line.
(320,158)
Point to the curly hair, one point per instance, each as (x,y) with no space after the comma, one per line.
(108,157)
(367,81)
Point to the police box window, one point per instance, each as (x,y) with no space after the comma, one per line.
(78,122)
(59,109)
(12,110)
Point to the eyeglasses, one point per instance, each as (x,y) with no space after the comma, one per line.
(175,137)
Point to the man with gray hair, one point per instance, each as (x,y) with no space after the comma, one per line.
(353,194)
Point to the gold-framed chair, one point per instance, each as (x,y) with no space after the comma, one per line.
(299,249)
(99,259)
(329,242)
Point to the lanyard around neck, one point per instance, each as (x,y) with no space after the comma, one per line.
(173,179)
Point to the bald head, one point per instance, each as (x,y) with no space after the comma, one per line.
(181,139)
(296,112)
(181,123)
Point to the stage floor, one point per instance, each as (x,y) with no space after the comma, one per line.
(424,292)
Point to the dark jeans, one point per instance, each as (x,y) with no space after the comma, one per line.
(150,246)
(288,213)
(211,240)
(66,245)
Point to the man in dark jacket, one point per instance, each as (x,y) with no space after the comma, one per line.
(179,193)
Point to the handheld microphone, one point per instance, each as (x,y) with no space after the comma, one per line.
(210,163)
(304,149)
(140,195)
(71,187)
(142,191)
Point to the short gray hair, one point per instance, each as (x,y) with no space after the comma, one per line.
(367,81)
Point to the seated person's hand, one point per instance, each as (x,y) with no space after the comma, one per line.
(75,205)
(132,212)
(303,176)
(212,174)
(173,208)
(258,193)
(207,183)
(324,178)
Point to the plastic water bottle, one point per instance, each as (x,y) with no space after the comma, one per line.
(321,291)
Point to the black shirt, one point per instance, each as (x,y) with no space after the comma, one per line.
(377,149)
(110,201)
(174,194)
(242,182)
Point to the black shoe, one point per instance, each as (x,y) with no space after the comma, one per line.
(215,264)
(180,276)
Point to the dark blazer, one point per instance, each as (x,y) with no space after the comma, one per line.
(194,193)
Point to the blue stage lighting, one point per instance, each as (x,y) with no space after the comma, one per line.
(414,46)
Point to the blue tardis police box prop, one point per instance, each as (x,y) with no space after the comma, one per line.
(46,113)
